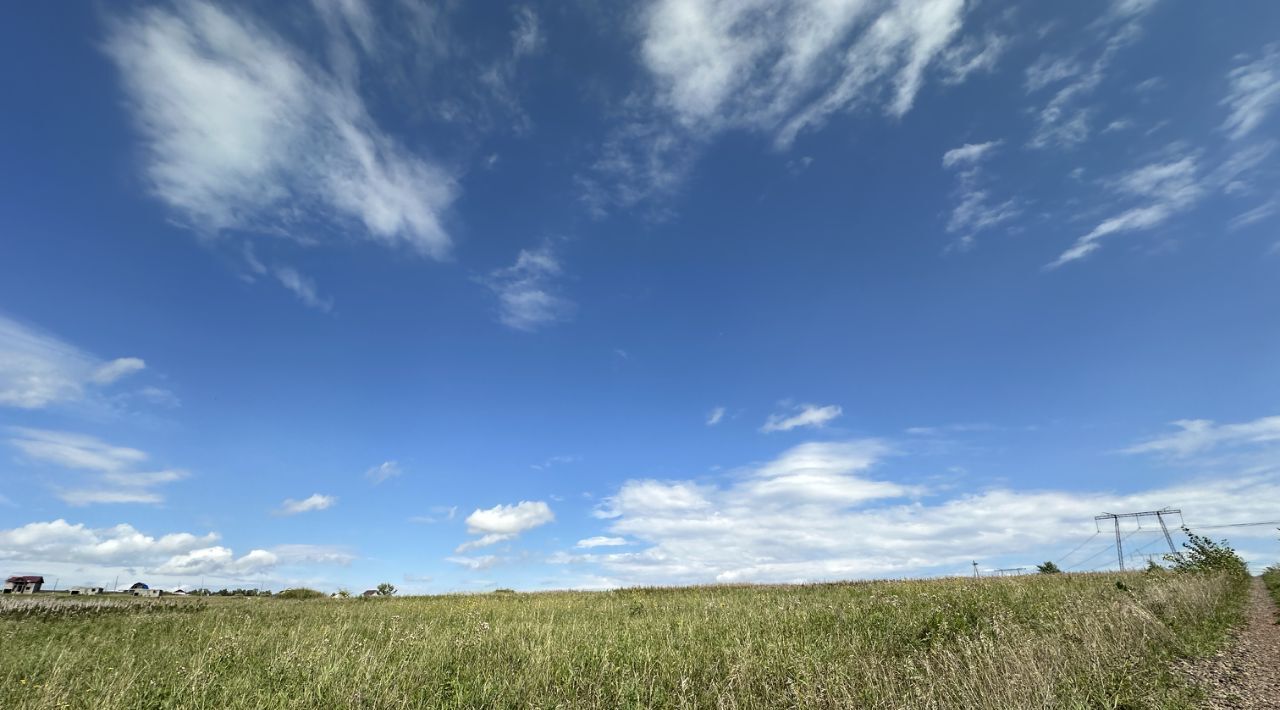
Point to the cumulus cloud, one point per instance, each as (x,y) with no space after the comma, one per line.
(776,70)
(383,471)
(114,474)
(77,551)
(814,513)
(313,502)
(505,522)
(244,131)
(1253,92)
(38,370)
(803,415)
(526,291)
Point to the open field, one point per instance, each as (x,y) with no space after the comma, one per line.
(1099,640)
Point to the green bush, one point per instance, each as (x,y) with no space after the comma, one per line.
(1205,555)
(300,593)
(1048,568)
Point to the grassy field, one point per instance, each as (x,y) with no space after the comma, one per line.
(1087,641)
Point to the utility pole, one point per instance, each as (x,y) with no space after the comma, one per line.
(1157,514)
(975,570)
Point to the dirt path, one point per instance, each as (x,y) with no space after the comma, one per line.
(1247,674)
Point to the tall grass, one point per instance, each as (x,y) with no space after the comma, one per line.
(1036,641)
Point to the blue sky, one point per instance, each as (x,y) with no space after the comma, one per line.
(550,295)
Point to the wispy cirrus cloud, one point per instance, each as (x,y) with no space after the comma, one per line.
(113,473)
(715,416)
(383,471)
(39,370)
(975,210)
(802,415)
(244,131)
(528,296)
(1065,120)
(1162,190)
(1254,91)
(1195,436)
(774,70)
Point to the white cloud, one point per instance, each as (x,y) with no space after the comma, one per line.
(114,476)
(114,370)
(774,69)
(813,514)
(975,211)
(217,561)
(1255,215)
(439,514)
(242,131)
(303,287)
(802,415)
(38,370)
(313,502)
(527,298)
(1165,190)
(122,544)
(1049,69)
(71,450)
(715,416)
(474,563)
(505,522)
(1196,436)
(383,471)
(968,153)
(1065,120)
(1254,91)
(602,541)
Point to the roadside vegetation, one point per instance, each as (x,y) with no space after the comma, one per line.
(1045,640)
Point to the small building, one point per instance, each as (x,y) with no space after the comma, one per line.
(138,585)
(23,584)
(85,591)
(369,593)
(146,592)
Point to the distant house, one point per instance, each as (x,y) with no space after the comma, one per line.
(146,592)
(23,584)
(138,585)
(87,590)
(369,593)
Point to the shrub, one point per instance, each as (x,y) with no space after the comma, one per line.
(1205,555)
(1048,568)
(386,589)
(300,593)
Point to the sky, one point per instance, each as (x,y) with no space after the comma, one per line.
(462,296)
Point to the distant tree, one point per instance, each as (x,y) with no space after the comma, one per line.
(1048,568)
(343,594)
(1205,555)
(1153,566)
(386,589)
(300,593)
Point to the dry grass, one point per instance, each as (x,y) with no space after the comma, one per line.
(1043,641)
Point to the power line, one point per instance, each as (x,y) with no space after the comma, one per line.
(1091,557)
(1232,525)
(1078,548)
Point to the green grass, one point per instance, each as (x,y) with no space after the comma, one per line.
(1075,641)
(1271,578)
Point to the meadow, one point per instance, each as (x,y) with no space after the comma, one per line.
(1070,641)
